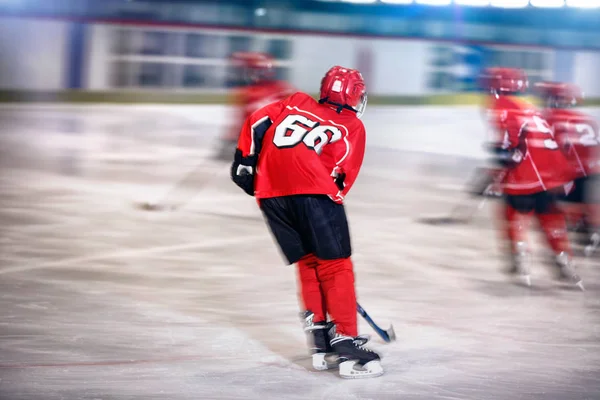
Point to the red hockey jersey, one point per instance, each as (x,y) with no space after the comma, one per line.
(251,98)
(521,129)
(579,136)
(305,146)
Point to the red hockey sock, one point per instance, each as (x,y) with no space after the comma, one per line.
(337,282)
(517,225)
(593,215)
(555,228)
(310,288)
(573,213)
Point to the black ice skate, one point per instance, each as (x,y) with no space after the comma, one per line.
(355,360)
(566,270)
(323,356)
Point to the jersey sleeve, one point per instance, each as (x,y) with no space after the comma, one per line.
(510,149)
(249,144)
(347,168)
(564,137)
(255,126)
(511,128)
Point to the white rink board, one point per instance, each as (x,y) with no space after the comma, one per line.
(448,130)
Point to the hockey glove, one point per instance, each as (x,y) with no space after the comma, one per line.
(508,158)
(242,172)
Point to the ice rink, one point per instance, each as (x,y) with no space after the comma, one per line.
(102,300)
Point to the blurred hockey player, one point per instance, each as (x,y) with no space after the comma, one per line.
(578,135)
(299,158)
(536,172)
(254,75)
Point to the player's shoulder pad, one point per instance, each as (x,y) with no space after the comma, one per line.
(298,99)
(298,96)
(581,116)
(356,127)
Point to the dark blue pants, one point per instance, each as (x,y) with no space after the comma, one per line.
(540,203)
(308,224)
(585,190)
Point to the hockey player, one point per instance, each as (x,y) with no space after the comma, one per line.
(255,74)
(300,158)
(536,172)
(579,137)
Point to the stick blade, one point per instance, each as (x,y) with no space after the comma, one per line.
(150,206)
(443,221)
(391,334)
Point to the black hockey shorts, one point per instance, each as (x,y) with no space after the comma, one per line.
(540,203)
(585,190)
(308,224)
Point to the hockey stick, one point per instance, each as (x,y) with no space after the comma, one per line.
(387,335)
(465,217)
(464,213)
(169,200)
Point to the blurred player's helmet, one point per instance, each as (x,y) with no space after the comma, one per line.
(253,67)
(559,95)
(505,81)
(344,88)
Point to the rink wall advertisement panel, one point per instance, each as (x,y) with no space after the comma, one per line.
(187,63)
(391,67)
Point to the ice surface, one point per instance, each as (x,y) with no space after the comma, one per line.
(101,300)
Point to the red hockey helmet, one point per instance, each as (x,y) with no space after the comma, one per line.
(255,66)
(559,95)
(505,80)
(344,88)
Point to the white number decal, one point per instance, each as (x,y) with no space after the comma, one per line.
(289,133)
(589,136)
(320,136)
(550,144)
(541,125)
(297,128)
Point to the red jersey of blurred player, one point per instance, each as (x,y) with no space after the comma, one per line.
(256,69)
(538,163)
(536,170)
(577,133)
(306,146)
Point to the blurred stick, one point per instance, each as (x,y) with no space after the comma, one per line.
(464,211)
(182,192)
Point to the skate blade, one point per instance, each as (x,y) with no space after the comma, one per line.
(349,370)
(321,363)
(580,286)
(152,206)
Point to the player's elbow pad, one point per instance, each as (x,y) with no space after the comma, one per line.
(242,172)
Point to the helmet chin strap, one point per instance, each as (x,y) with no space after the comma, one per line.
(340,107)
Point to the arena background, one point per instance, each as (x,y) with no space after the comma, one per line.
(147,51)
(131,267)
